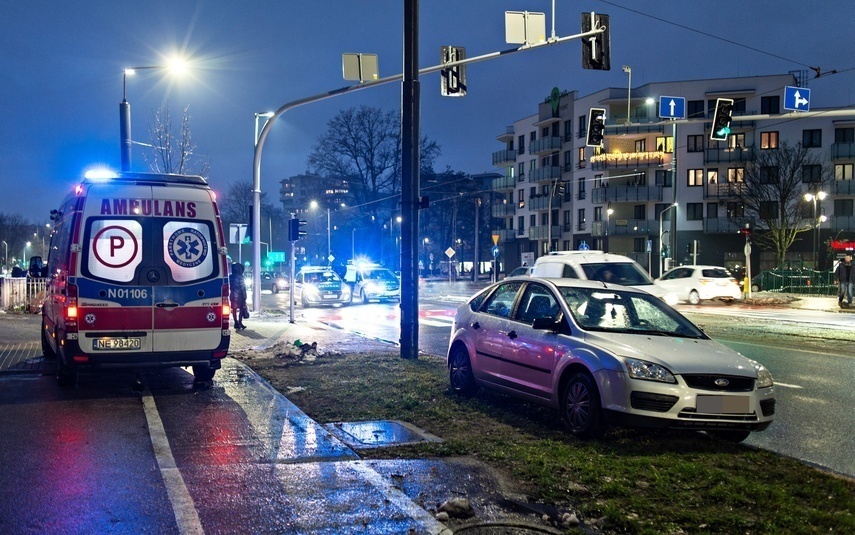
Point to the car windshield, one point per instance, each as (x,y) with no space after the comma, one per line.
(321,276)
(625,273)
(379,275)
(608,310)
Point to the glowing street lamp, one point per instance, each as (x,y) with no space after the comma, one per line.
(817,221)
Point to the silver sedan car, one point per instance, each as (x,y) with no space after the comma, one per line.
(605,354)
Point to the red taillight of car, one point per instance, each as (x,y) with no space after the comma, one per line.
(220,354)
(70,308)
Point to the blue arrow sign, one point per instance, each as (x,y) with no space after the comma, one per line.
(796,98)
(495,251)
(672,107)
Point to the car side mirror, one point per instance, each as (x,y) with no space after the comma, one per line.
(546,324)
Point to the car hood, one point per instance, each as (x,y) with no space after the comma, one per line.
(680,355)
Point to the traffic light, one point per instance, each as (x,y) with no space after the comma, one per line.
(453,79)
(559,188)
(294,230)
(596,126)
(721,119)
(595,50)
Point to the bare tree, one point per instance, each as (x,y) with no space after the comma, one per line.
(772,195)
(173,152)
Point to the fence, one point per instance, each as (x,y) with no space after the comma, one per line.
(804,281)
(22,293)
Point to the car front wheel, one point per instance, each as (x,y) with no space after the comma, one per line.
(460,371)
(694,297)
(580,407)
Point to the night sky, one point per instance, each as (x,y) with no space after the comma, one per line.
(61,73)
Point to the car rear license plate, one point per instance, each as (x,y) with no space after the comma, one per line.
(112,344)
(723,404)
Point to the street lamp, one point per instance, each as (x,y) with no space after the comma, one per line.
(176,65)
(609,212)
(661,257)
(818,220)
(628,71)
(24,255)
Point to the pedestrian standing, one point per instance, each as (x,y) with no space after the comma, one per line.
(845,277)
(237,295)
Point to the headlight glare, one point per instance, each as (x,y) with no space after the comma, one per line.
(647,371)
(764,376)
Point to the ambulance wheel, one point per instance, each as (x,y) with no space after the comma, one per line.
(203,374)
(47,350)
(65,375)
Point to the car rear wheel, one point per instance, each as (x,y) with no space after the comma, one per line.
(580,408)
(730,436)
(203,374)
(694,297)
(66,375)
(47,350)
(364,297)
(460,372)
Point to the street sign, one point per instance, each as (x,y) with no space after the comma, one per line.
(672,107)
(584,246)
(276,256)
(796,98)
(330,258)
(449,252)
(495,251)
(495,239)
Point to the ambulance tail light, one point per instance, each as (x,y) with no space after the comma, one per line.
(227,309)
(71,308)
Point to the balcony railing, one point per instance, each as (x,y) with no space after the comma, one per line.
(724,189)
(842,222)
(843,187)
(632,227)
(503,210)
(541,202)
(544,144)
(543,174)
(727,155)
(506,235)
(623,160)
(626,193)
(504,182)
(504,158)
(542,232)
(840,151)
(721,225)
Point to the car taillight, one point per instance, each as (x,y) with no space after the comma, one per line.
(227,309)
(71,308)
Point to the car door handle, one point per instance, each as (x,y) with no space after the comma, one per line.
(166,305)
(512,335)
(476,325)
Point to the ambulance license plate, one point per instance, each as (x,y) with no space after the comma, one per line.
(112,344)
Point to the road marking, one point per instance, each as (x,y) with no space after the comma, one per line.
(183,507)
(786,385)
(436,321)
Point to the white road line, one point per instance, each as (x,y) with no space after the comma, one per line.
(786,385)
(183,507)
(436,322)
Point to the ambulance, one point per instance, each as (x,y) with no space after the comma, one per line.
(137,277)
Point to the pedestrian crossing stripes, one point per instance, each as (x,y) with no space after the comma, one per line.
(22,357)
(436,321)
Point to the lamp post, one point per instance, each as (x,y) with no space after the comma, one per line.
(609,212)
(125,142)
(817,221)
(628,71)
(24,255)
(661,257)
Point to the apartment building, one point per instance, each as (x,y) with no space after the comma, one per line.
(555,193)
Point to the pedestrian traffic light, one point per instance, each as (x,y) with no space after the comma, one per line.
(559,188)
(721,119)
(596,127)
(294,231)
(595,49)
(453,79)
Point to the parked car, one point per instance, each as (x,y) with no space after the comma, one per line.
(694,284)
(281,283)
(605,354)
(320,286)
(522,271)
(599,266)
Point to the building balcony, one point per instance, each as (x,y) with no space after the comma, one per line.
(724,189)
(627,193)
(504,210)
(626,160)
(722,225)
(507,135)
(504,182)
(544,174)
(506,234)
(625,227)
(842,222)
(541,202)
(504,158)
(842,151)
(545,145)
(726,155)
(843,187)
(543,232)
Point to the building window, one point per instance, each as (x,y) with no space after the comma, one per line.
(663,178)
(811,174)
(521,225)
(532,192)
(580,219)
(768,140)
(735,175)
(639,212)
(521,149)
(694,211)
(639,245)
(695,109)
(640,145)
(712,176)
(582,160)
(768,210)
(532,220)
(598,213)
(736,141)
(532,165)
(695,177)
(695,143)
(735,210)
(770,105)
(581,188)
(843,207)
(768,175)
(665,144)
(843,171)
(712,210)
(544,219)
(532,137)
(521,198)
(844,135)
(812,138)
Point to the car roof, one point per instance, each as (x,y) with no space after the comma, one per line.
(576,283)
(315,268)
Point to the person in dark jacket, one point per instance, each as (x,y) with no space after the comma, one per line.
(237,295)
(845,277)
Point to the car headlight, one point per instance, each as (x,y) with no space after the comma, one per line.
(345,290)
(764,376)
(639,369)
(372,287)
(310,289)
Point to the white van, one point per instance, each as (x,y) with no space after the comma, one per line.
(598,266)
(137,277)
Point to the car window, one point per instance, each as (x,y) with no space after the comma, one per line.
(625,273)
(537,302)
(501,302)
(716,273)
(569,273)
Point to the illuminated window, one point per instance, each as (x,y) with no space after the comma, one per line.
(768,140)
